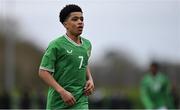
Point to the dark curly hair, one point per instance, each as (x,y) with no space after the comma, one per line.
(64,13)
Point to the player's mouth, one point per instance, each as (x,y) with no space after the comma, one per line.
(80,27)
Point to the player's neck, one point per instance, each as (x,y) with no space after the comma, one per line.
(76,39)
(154,73)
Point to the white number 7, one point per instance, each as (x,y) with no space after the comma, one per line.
(81,62)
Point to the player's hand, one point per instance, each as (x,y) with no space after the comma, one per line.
(68,98)
(89,88)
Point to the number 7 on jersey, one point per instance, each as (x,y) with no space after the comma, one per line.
(81,62)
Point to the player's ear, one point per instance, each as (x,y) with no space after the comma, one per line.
(65,24)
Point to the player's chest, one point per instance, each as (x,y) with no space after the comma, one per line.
(156,85)
(71,52)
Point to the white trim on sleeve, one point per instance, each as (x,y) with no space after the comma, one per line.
(47,69)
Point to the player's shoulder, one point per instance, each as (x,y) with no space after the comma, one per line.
(57,41)
(146,77)
(162,75)
(86,41)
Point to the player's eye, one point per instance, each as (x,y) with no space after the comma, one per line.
(74,19)
(77,18)
(81,18)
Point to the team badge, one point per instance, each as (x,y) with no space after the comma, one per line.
(89,52)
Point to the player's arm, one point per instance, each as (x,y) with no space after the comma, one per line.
(48,79)
(89,88)
(47,67)
(146,100)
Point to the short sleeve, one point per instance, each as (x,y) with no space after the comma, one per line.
(145,97)
(49,58)
(90,49)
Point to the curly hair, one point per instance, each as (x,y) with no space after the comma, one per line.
(65,12)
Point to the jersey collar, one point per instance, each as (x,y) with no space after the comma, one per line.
(71,41)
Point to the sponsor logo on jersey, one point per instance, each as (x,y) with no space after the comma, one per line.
(69,51)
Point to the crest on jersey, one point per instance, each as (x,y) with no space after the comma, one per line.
(89,52)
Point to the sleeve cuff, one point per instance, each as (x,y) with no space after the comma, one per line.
(47,69)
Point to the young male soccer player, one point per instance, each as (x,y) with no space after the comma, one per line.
(156,90)
(64,66)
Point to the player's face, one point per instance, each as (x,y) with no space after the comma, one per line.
(74,23)
(154,69)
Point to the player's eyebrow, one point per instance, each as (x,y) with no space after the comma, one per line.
(77,17)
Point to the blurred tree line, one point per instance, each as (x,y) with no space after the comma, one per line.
(28,91)
(116,76)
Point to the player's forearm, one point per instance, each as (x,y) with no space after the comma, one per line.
(88,74)
(148,103)
(48,79)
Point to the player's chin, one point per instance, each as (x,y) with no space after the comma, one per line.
(79,33)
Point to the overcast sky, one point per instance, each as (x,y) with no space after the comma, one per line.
(142,28)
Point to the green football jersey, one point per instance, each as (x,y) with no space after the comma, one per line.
(155,91)
(67,61)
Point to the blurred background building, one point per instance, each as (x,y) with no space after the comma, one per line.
(126,36)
